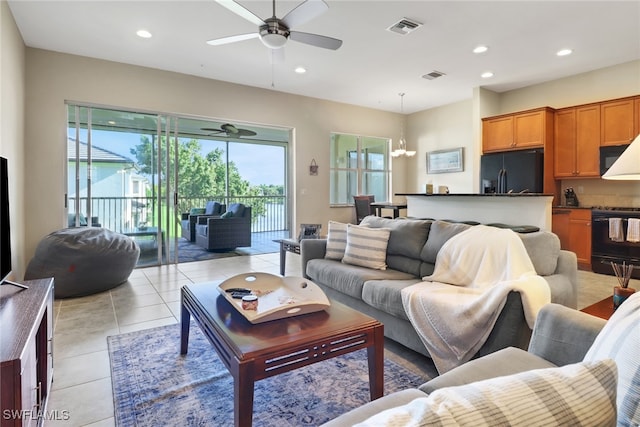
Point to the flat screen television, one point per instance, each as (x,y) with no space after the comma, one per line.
(5,232)
(5,229)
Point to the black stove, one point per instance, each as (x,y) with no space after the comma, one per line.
(610,238)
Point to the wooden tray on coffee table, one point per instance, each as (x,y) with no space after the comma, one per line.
(278,297)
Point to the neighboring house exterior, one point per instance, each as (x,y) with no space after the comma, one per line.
(118,192)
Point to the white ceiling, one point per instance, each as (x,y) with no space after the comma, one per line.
(373,65)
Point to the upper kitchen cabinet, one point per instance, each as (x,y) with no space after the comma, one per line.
(577,142)
(527,129)
(618,121)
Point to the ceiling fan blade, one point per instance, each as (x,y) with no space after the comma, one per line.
(316,40)
(304,12)
(211,130)
(242,11)
(232,39)
(245,132)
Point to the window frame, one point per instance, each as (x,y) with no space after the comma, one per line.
(362,157)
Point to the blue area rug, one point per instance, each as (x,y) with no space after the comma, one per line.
(153,385)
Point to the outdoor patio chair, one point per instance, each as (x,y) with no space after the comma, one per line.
(190,219)
(228,231)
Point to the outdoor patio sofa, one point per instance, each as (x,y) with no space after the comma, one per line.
(225,232)
(190,219)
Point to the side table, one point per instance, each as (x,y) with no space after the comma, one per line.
(287,245)
(602,309)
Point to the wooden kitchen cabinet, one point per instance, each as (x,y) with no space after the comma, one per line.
(26,364)
(573,228)
(637,115)
(577,142)
(617,122)
(527,129)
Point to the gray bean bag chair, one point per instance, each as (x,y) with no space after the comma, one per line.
(83,260)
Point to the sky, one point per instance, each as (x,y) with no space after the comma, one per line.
(258,164)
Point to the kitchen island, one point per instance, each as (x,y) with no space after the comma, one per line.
(513,209)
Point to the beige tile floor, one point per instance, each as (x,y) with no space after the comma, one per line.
(151,297)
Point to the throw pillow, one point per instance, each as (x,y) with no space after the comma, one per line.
(336,240)
(366,247)
(196,211)
(227,214)
(620,341)
(579,394)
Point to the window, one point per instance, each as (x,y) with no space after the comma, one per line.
(359,165)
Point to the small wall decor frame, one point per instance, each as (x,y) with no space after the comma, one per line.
(444,161)
(313,167)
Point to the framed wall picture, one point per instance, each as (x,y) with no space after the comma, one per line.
(443,161)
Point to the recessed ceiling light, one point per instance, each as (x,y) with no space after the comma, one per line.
(486,75)
(564,52)
(144,34)
(300,70)
(480,49)
(111,122)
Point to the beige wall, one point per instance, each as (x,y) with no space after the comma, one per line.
(53,78)
(447,127)
(12,87)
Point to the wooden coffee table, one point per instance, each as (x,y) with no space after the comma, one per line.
(252,352)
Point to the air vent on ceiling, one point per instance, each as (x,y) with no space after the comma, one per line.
(433,75)
(404,26)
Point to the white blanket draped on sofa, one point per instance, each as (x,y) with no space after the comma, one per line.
(455,309)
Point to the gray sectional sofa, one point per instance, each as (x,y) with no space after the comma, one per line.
(411,254)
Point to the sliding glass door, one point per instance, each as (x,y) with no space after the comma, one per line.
(122,176)
(136,173)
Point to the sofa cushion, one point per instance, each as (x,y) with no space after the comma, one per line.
(543,249)
(620,340)
(366,247)
(336,240)
(578,394)
(385,295)
(407,237)
(347,278)
(439,233)
(237,209)
(227,214)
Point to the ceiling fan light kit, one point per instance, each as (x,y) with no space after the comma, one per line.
(275,32)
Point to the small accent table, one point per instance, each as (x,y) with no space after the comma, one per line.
(378,206)
(602,309)
(287,245)
(252,352)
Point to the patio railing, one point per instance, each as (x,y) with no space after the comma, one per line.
(126,213)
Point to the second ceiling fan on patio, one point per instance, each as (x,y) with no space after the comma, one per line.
(230,130)
(274,32)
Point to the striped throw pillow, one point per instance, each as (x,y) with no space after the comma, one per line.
(336,240)
(620,340)
(367,247)
(582,394)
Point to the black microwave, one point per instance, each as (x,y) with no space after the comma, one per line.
(608,155)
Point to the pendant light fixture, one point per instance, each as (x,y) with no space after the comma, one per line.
(402,144)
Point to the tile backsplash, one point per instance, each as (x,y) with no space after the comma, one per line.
(602,192)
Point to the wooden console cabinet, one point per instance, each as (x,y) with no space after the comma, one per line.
(26,350)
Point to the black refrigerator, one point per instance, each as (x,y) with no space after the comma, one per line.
(514,171)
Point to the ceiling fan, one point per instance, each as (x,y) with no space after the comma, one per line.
(274,32)
(230,130)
